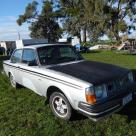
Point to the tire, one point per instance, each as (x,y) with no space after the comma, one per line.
(60,106)
(13,82)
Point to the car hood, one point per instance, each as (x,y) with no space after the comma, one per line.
(92,71)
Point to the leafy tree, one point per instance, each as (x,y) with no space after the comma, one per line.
(99,17)
(116,13)
(83,15)
(92,17)
(71,23)
(43,25)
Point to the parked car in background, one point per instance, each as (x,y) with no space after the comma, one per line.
(80,48)
(95,47)
(70,82)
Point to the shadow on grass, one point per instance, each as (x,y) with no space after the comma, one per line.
(126,53)
(130,110)
(95,51)
(90,52)
(77,116)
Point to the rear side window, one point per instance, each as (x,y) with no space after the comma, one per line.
(29,55)
(17,56)
(66,52)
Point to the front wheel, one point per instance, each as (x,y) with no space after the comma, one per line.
(60,106)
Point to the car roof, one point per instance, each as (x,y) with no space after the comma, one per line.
(43,45)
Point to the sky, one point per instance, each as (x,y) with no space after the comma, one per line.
(9,12)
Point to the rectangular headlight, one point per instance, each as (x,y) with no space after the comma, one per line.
(100,91)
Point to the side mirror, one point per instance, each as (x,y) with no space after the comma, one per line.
(32,63)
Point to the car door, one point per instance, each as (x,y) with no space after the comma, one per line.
(28,77)
(15,61)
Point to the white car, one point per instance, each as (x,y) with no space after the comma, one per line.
(69,82)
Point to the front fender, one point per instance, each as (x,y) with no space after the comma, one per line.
(72,94)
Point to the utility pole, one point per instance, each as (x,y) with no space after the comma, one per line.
(19,37)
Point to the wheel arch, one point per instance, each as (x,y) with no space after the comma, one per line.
(53,89)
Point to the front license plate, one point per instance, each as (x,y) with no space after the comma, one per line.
(127,99)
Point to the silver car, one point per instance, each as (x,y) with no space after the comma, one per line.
(70,82)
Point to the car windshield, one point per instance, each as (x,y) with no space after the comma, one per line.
(56,54)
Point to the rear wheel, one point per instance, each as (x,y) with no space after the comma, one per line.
(60,106)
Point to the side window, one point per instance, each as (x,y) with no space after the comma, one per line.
(45,55)
(66,52)
(29,55)
(45,52)
(17,56)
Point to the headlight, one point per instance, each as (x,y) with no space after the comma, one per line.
(100,92)
(92,94)
(130,77)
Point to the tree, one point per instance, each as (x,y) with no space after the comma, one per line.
(83,15)
(118,13)
(99,17)
(71,23)
(43,25)
(92,17)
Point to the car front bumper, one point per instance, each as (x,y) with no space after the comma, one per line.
(108,105)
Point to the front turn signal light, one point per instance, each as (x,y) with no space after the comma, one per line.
(91,99)
(90,95)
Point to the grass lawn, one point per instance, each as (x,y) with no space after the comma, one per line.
(23,113)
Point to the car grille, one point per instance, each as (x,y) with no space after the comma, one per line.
(113,88)
(124,81)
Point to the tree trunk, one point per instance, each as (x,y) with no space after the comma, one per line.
(80,40)
(84,35)
(117,36)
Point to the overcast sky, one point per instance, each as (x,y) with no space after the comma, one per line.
(9,12)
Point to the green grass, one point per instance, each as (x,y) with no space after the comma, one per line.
(128,61)
(23,113)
